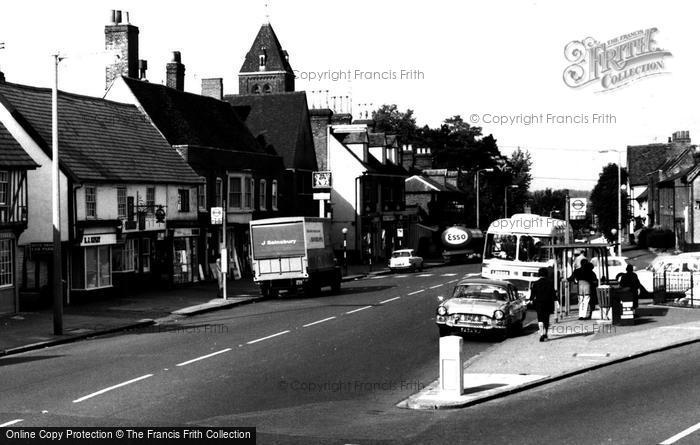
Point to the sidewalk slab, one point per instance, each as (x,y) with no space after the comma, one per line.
(574,346)
(216,304)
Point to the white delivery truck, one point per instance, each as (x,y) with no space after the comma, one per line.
(293,253)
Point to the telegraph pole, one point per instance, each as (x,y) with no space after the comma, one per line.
(55,204)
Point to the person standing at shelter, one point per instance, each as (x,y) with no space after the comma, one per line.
(219,275)
(629,283)
(584,277)
(543,297)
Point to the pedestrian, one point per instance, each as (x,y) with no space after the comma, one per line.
(629,283)
(543,297)
(584,277)
(580,256)
(219,275)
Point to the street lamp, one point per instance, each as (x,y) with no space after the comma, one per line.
(55,206)
(345,249)
(476,180)
(505,199)
(619,199)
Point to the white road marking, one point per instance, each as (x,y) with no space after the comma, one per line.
(102,391)
(591,354)
(358,310)
(448,275)
(473,274)
(378,277)
(11,422)
(318,321)
(417,292)
(692,328)
(426,275)
(400,276)
(436,286)
(681,435)
(268,337)
(453,281)
(390,299)
(203,357)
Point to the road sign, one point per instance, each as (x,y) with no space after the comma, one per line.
(322,196)
(217,215)
(577,208)
(399,233)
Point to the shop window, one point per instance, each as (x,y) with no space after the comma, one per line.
(121,202)
(150,200)
(249,190)
(98,267)
(263,194)
(235,192)
(6,248)
(218,192)
(123,257)
(183,200)
(274,194)
(90,201)
(145,255)
(202,196)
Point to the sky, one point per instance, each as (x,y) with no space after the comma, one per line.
(500,65)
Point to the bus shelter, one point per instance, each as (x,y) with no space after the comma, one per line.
(564,255)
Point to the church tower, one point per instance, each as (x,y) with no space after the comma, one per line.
(266,67)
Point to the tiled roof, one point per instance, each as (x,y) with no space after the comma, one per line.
(643,159)
(11,153)
(190,119)
(373,165)
(377,140)
(202,158)
(276,60)
(283,120)
(99,140)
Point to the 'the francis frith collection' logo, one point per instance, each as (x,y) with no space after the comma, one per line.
(614,63)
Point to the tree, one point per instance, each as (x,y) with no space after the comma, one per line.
(604,200)
(518,168)
(389,119)
(548,202)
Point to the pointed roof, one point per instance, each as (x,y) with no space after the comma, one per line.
(276,56)
(11,153)
(99,140)
(283,120)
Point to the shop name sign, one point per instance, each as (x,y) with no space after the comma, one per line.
(99,240)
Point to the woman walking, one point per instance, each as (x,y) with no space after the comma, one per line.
(543,297)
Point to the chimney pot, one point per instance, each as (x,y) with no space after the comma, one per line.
(114,17)
(119,17)
(177,57)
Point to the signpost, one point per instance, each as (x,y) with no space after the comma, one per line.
(577,208)
(321,182)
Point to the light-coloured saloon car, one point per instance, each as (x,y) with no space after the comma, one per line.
(480,305)
(405,259)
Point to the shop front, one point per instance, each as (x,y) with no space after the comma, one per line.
(8,266)
(185,251)
(91,263)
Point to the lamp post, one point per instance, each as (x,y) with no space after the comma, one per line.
(505,199)
(476,180)
(345,249)
(619,199)
(57,281)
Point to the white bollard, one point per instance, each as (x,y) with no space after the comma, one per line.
(451,372)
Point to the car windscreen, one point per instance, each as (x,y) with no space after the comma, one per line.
(401,254)
(522,285)
(480,292)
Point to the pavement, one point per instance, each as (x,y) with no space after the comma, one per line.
(574,347)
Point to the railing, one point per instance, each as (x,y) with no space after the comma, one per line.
(680,287)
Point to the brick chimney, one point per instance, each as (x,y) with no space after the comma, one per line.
(423,159)
(213,88)
(407,156)
(681,137)
(122,38)
(175,73)
(320,120)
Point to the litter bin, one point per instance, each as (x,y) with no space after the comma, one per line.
(604,302)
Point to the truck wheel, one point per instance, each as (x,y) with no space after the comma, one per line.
(267,292)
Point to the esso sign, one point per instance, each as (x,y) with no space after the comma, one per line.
(455,236)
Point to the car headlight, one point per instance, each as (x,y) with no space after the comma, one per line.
(498,315)
(442,310)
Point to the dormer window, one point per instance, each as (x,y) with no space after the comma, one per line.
(256,89)
(263,58)
(267,88)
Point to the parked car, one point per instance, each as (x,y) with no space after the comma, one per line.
(479,305)
(405,259)
(617,266)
